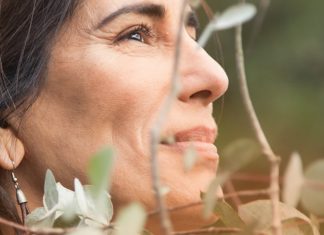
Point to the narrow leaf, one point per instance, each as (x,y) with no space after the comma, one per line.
(190,158)
(51,194)
(100,169)
(296,226)
(88,231)
(312,197)
(235,16)
(232,17)
(210,197)
(67,221)
(66,197)
(100,212)
(239,154)
(40,218)
(228,215)
(80,197)
(209,29)
(293,181)
(258,213)
(131,220)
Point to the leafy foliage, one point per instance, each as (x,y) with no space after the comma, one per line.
(258,214)
(87,205)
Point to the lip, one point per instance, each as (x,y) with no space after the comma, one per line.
(201,139)
(197,134)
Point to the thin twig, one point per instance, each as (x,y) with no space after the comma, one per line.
(37,231)
(209,230)
(43,231)
(229,187)
(266,149)
(209,12)
(248,193)
(263,9)
(250,177)
(320,220)
(314,184)
(155,132)
(245,193)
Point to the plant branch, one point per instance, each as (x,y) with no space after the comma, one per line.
(37,231)
(266,149)
(229,187)
(246,193)
(263,9)
(42,231)
(155,132)
(208,231)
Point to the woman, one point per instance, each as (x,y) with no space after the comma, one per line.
(80,75)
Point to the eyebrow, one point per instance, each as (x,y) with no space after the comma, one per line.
(151,10)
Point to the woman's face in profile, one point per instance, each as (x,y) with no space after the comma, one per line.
(108,76)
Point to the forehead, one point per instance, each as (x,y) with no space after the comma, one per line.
(99,9)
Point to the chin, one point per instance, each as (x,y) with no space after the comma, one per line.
(182,220)
(185,192)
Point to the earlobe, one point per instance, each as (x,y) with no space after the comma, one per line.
(11,149)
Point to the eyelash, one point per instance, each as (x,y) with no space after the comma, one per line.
(144,30)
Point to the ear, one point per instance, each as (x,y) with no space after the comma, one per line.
(11,149)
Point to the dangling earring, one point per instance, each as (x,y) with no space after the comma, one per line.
(21,198)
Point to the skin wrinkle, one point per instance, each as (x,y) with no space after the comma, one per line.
(152,10)
(100,93)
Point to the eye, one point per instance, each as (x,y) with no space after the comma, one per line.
(136,36)
(141,33)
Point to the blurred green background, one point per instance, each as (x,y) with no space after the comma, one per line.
(285,68)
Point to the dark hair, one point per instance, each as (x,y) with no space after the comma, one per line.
(27,30)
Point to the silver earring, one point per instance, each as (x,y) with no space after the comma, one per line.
(21,198)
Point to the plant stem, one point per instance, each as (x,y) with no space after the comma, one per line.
(155,132)
(246,193)
(42,231)
(209,231)
(266,149)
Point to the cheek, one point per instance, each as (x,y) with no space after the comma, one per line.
(99,83)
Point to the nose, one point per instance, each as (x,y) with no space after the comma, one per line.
(203,80)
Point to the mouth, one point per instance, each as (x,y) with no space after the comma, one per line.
(201,139)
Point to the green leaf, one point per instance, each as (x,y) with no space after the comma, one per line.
(228,215)
(101,213)
(64,221)
(131,220)
(51,194)
(259,214)
(232,17)
(66,197)
(293,181)
(100,169)
(312,196)
(238,154)
(81,197)
(40,218)
(87,231)
(210,197)
(296,226)
(146,232)
(190,158)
